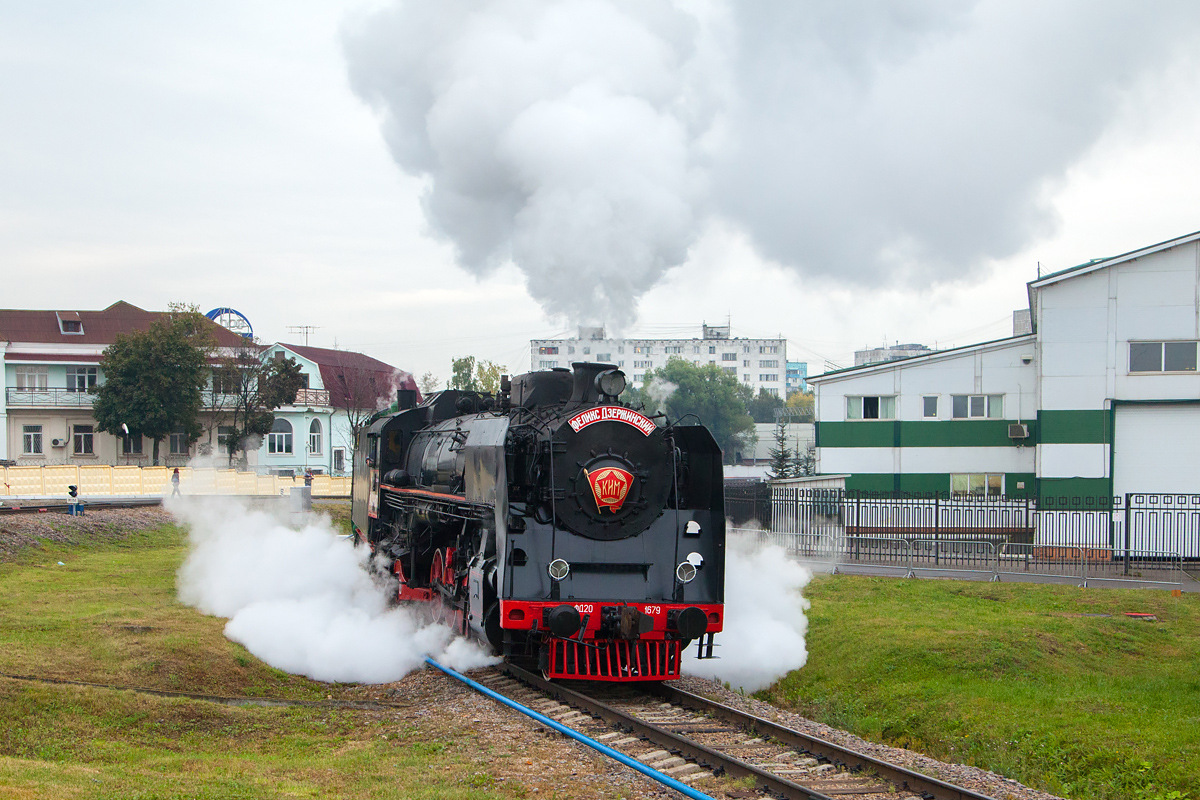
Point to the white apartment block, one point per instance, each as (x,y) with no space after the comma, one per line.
(758,363)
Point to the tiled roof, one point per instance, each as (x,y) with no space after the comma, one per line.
(355,376)
(99,327)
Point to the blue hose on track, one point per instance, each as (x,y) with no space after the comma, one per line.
(665,780)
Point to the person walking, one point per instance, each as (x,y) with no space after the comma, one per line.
(175,483)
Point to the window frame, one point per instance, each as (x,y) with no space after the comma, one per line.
(925,398)
(22,373)
(31,439)
(279,441)
(89,374)
(83,440)
(880,407)
(315,436)
(987,399)
(128,442)
(178,444)
(985,482)
(1162,345)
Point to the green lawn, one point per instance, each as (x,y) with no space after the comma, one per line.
(1016,678)
(110,615)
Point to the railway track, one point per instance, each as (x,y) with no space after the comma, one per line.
(698,741)
(61,508)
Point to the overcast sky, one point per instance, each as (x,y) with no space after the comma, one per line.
(425,181)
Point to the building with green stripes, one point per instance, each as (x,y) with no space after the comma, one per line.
(1100,397)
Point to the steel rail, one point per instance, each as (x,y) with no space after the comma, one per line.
(840,756)
(676,743)
(616,755)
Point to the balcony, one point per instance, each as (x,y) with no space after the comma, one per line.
(48,398)
(72,398)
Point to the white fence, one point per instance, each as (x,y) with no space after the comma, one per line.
(101,480)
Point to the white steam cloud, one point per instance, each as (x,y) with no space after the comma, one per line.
(763,637)
(592,141)
(300,597)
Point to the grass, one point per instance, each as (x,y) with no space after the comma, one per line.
(109,615)
(1016,678)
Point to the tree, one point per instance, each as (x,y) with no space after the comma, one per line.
(462,372)
(471,375)
(428,384)
(804,462)
(782,457)
(154,378)
(800,406)
(713,396)
(254,389)
(763,406)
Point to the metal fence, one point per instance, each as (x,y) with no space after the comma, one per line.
(1149,538)
(996,561)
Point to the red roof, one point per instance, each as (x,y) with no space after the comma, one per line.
(354,379)
(99,327)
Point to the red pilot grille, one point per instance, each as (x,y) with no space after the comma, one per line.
(618,660)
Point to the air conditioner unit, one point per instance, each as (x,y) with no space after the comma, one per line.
(1018,431)
(58,443)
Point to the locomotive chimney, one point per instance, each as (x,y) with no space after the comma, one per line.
(405,398)
(583,389)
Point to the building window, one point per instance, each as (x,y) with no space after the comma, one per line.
(31,440)
(732,371)
(224,434)
(32,377)
(621,348)
(72,326)
(621,363)
(80,379)
(604,356)
(673,349)
(339,459)
(643,364)
(570,351)
(745,362)
(696,350)
(279,440)
(769,363)
(179,445)
(1162,356)
(226,380)
(729,357)
(643,348)
(745,348)
(587,351)
(871,407)
(131,445)
(83,440)
(768,377)
(771,390)
(548,364)
(712,351)
(977,484)
(772,349)
(637,377)
(977,406)
(929,406)
(314,436)
(547,351)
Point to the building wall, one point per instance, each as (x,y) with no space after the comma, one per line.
(1085,326)
(915,453)
(746,363)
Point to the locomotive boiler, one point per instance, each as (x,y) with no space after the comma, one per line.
(569,531)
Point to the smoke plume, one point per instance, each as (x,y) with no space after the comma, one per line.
(300,597)
(592,141)
(763,638)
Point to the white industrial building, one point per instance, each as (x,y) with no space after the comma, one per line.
(1096,395)
(758,363)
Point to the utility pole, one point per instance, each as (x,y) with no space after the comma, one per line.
(303,329)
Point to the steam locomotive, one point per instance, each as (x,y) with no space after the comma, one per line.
(570,532)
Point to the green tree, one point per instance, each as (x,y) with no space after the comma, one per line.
(154,378)
(762,406)
(713,396)
(804,462)
(428,383)
(471,375)
(462,374)
(251,389)
(782,457)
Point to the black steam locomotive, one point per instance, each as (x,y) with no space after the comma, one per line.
(571,532)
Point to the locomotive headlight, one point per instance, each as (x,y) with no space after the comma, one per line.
(559,569)
(685,572)
(611,382)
